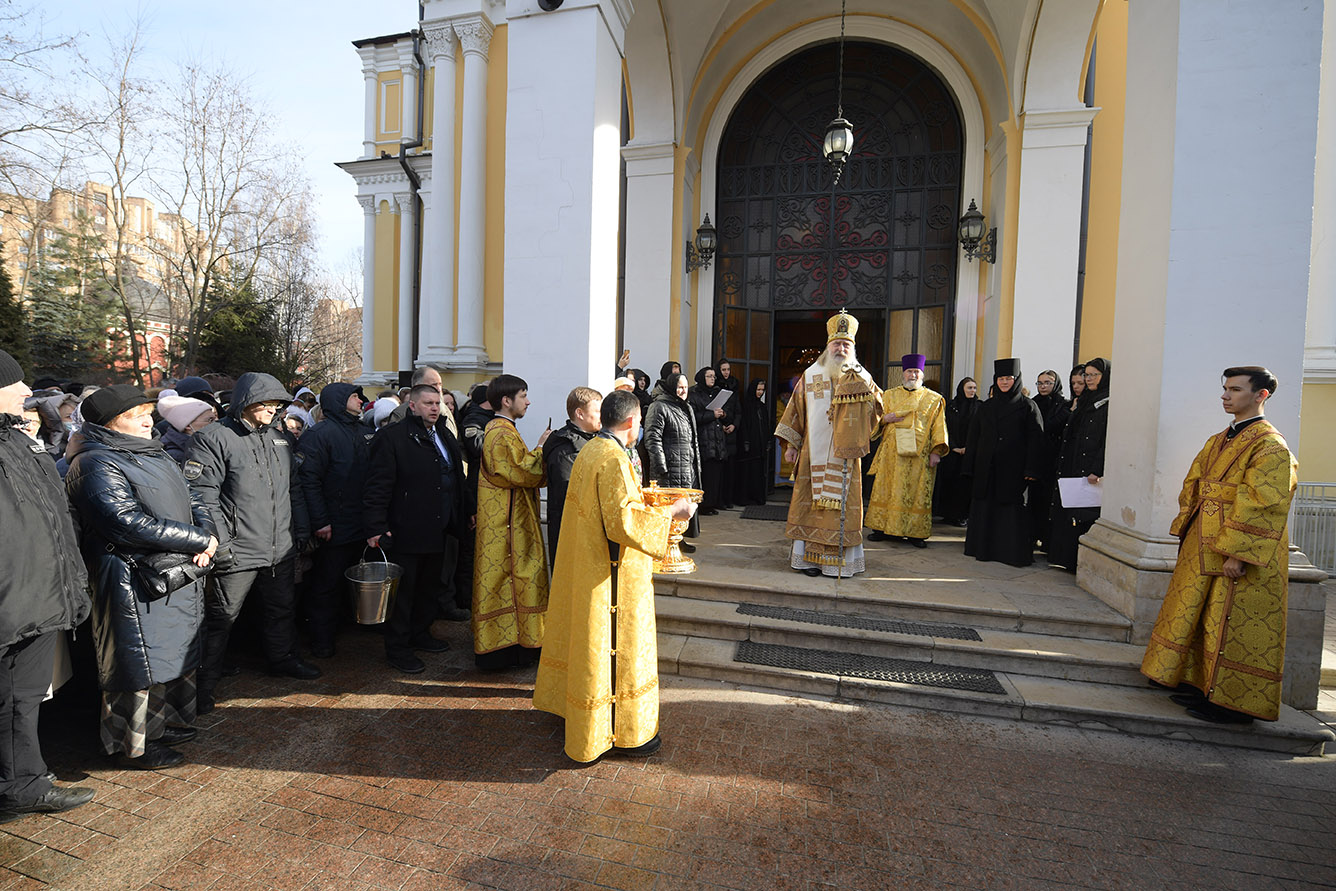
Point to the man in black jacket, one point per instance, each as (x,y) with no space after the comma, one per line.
(333,457)
(243,468)
(414,496)
(43,591)
(560,451)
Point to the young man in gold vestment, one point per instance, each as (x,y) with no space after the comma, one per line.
(828,425)
(509,564)
(1220,635)
(906,464)
(600,664)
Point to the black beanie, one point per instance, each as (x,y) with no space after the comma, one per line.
(10,372)
(104,404)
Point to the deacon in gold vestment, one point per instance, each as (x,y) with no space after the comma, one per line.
(509,565)
(829,424)
(1221,628)
(906,463)
(599,669)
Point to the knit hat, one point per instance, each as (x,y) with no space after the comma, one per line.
(181,411)
(10,372)
(107,403)
(384,408)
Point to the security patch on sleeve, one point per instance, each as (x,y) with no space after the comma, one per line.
(192,469)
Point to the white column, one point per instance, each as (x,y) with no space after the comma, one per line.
(1212,272)
(1048,238)
(405,207)
(436,328)
(563,135)
(368,203)
(653,255)
(475,34)
(408,119)
(372,91)
(1320,343)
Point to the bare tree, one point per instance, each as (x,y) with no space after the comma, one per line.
(233,195)
(34,107)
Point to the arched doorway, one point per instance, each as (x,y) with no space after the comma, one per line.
(794,246)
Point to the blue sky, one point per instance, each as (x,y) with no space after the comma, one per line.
(299,57)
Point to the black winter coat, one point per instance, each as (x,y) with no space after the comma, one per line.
(132,499)
(671,445)
(405,498)
(1005,445)
(332,462)
(709,429)
(732,414)
(177,444)
(559,454)
(247,478)
(472,422)
(1082,450)
(43,585)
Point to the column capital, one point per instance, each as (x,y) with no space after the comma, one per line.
(475,34)
(403,203)
(406,61)
(368,203)
(649,159)
(1053,127)
(440,41)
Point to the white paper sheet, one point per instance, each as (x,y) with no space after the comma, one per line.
(1078,491)
(720,400)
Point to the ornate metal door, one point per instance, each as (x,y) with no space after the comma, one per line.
(882,239)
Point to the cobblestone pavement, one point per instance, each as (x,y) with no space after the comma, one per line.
(369,779)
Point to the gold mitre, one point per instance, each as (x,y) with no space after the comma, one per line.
(841,327)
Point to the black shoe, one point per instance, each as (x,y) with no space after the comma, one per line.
(875,535)
(687,548)
(406,662)
(156,756)
(501,660)
(642,751)
(296,667)
(456,614)
(230,670)
(428,644)
(708,512)
(174,736)
(1187,700)
(204,703)
(917,542)
(959,524)
(812,571)
(53,801)
(322,651)
(1218,714)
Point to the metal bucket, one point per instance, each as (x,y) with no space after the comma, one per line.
(374,585)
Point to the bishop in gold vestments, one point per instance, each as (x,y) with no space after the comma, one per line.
(905,467)
(600,664)
(1223,636)
(510,566)
(830,420)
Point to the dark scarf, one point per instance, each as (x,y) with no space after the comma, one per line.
(1086,401)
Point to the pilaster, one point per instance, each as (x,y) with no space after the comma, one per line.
(405,206)
(436,314)
(475,36)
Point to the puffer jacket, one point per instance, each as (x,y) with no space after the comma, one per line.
(177,444)
(43,586)
(247,479)
(671,445)
(332,461)
(131,500)
(709,428)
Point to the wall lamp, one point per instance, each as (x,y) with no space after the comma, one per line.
(972,239)
(699,254)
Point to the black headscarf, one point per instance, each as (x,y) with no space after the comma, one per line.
(1012,398)
(751,396)
(1056,395)
(1091,396)
(733,381)
(960,398)
(668,383)
(667,369)
(637,376)
(1079,369)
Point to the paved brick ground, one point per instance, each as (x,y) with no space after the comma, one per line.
(368,779)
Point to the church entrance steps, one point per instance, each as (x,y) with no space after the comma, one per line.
(1071,658)
(1141,711)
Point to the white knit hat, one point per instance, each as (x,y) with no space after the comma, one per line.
(181,411)
(385,406)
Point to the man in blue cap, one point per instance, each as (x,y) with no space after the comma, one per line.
(913,442)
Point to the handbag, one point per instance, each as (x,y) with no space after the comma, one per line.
(163,572)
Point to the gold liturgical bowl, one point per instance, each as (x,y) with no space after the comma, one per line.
(673,561)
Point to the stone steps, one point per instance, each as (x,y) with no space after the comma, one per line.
(1018,652)
(1042,700)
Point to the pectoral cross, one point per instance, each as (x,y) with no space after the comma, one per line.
(819,386)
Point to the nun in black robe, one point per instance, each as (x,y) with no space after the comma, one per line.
(1003,455)
(756,445)
(1055,412)
(951,494)
(1081,454)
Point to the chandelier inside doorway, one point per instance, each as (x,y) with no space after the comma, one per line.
(839,141)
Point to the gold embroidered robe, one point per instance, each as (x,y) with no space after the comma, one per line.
(1226,637)
(579,674)
(509,566)
(902,489)
(851,412)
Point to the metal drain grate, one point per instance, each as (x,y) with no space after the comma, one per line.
(838,620)
(878,668)
(778,512)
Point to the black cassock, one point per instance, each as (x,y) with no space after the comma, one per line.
(1004,447)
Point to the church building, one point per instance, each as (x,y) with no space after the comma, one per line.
(546,183)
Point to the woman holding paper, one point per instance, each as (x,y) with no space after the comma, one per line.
(1080,467)
(708,401)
